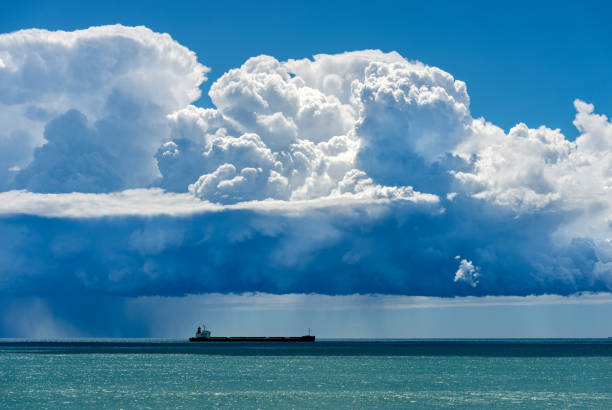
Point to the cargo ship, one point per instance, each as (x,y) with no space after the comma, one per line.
(203,335)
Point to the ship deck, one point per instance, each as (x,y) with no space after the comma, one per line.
(253,339)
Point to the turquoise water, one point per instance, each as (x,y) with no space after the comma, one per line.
(327,374)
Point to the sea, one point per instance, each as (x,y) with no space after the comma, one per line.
(336,374)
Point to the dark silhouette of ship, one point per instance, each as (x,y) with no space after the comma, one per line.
(203,335)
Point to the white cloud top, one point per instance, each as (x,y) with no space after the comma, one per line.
(85,110)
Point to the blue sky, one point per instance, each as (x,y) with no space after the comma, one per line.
(355,182)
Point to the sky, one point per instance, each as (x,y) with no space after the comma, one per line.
(396,169)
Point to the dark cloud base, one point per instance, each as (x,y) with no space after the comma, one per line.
(390,249)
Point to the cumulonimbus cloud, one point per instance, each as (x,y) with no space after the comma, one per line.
(359,172)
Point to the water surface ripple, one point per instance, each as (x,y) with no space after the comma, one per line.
(326,374)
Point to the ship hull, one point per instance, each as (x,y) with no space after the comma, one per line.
(253,339)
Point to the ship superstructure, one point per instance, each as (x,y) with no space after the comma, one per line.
(203,334)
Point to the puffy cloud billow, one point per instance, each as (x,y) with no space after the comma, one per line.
(361,172)
(85,111)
